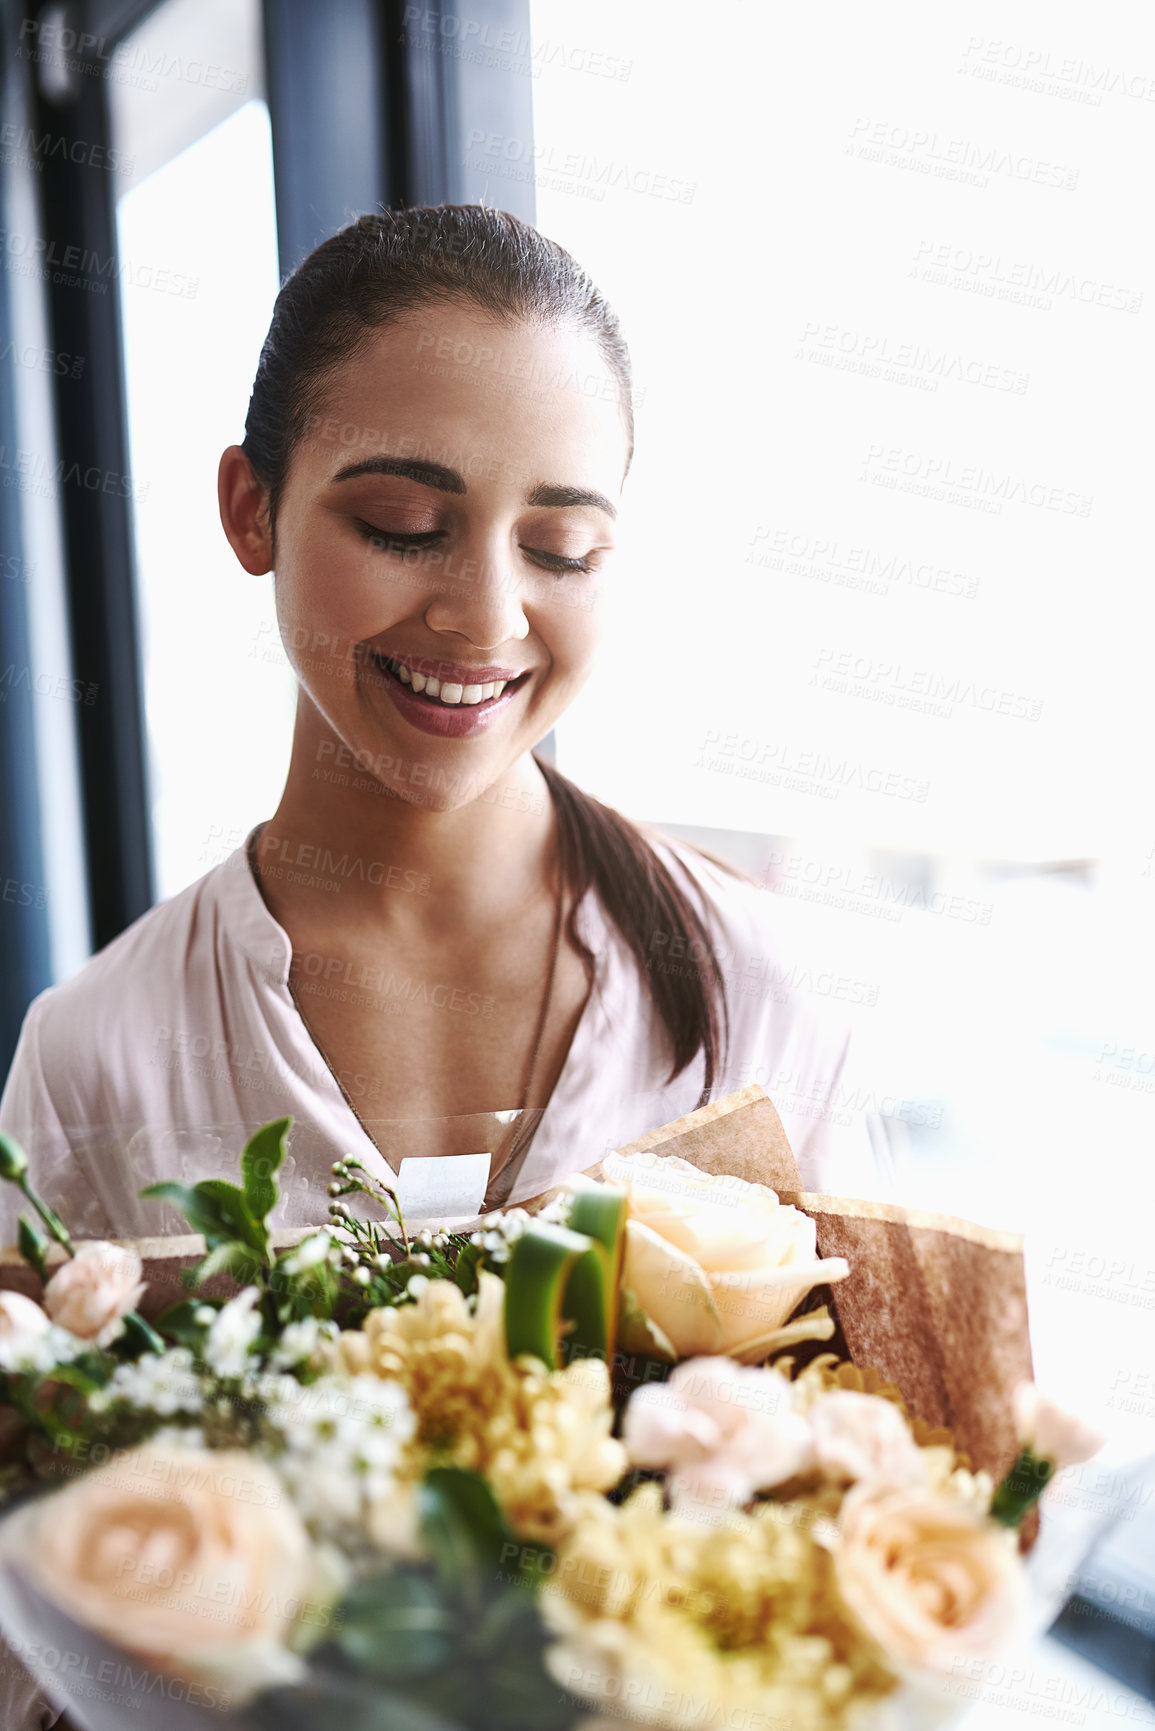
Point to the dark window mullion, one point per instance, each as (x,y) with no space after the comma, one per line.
(79,192)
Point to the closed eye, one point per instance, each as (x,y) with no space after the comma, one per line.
(391,541)
(557,562)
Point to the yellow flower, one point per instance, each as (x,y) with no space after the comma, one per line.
(673,1623)
(541,1438)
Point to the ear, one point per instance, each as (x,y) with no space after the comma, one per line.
(244,513)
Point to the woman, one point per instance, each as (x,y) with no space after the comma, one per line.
(434,924)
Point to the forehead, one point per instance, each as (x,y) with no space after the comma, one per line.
(450,383)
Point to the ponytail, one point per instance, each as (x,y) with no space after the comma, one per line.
(600,849)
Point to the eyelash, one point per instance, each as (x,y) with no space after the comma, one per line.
(388,543)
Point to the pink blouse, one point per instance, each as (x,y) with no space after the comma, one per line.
(181,1037)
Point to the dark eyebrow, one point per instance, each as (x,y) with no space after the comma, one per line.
(563,496)
(450,481)
(425,474)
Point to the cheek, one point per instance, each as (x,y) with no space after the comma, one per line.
(339,588)
(572,629)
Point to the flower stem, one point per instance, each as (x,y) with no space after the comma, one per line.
(52,1221)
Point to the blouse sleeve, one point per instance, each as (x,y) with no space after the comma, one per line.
(833,1141)
(28,1113)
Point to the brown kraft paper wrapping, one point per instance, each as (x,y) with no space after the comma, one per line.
(936,1305)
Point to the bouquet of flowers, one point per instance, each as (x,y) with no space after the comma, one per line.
(570,1468)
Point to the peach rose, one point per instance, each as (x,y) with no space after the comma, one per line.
(718,1264)
(92,1293)
(931,1581)
(861,1436)
(192,1559)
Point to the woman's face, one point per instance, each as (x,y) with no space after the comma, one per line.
(441,544)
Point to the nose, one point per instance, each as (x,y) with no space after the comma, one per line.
(483,601)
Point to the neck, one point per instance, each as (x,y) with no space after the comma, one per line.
(371,831)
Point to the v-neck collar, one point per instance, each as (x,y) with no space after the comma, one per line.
(252,926)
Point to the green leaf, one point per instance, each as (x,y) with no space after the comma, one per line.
(499,1681)
(342,1700)
(466,1267)
(520,1694)
(232,1259)
(74,1375)
(539,1277)
(466,1533)
(177,1324)
(216,1209)
(311,1291)
(397,1627)
(262,1158)
(137,1337)
(32,1245)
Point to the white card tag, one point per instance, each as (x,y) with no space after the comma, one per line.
(442,1186)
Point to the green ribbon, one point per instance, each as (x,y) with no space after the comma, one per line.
(1021,1489)
(561,1282)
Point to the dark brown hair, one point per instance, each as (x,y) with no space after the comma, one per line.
(359,280)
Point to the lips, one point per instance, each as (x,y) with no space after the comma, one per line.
(445,698)
(451,684)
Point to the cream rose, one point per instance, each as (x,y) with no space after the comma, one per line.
(717,1263)
(195,1560)
(92,1293)
(929,1580)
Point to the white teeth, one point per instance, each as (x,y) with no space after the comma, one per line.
(446,692)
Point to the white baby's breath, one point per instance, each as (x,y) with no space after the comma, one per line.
(42,1354)
(343,1439)
(163,1383)
(232,1334)
(556,1212)
(299,1341)
(502,1229)
(310,1253)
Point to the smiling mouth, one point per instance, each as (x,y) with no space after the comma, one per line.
(445,693)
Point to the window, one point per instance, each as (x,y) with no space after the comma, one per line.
(877,623)
(197,242)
